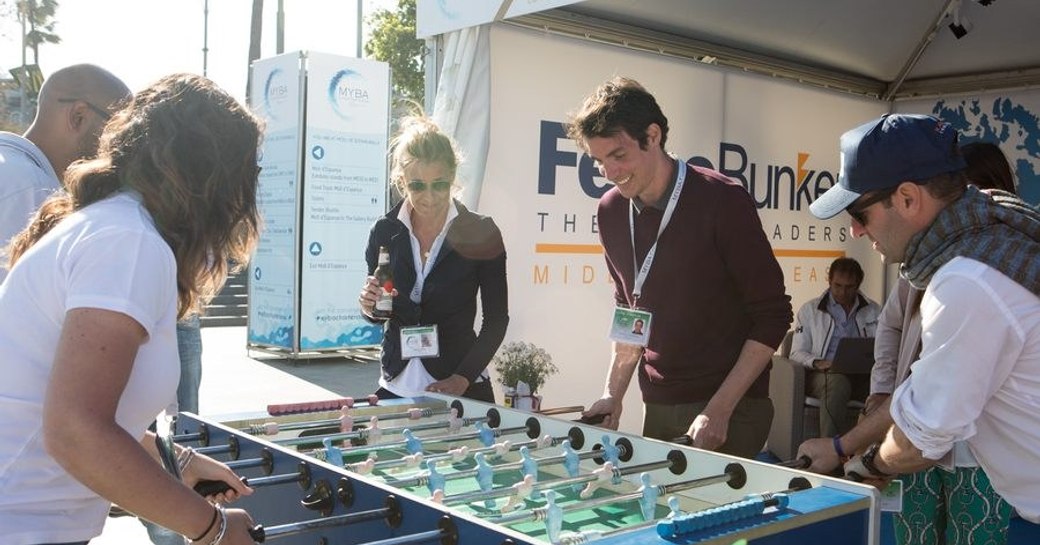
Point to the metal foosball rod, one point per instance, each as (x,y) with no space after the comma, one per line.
(373,433)
(486,436)
(265,460)
(647,495)
(802,462)
(391,513)
(446,533)
(273,428)
(302,476)
(456,455)
(485,472)
(607,472)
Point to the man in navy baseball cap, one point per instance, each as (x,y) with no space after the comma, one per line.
(975,259)
(886,152)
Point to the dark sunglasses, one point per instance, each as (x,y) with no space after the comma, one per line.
(103,113)
(417,186)
(858,208)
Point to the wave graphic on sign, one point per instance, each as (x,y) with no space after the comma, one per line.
(346,91)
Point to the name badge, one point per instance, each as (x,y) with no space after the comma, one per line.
(630,326)
(892,497)
(419,342)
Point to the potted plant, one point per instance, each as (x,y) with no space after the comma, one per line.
(523,368)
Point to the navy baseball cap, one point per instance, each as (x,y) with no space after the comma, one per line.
(886,152)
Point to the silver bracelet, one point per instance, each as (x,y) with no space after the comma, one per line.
(223,527)
(186,455)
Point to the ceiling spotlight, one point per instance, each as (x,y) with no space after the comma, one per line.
(961,29)
(961,25)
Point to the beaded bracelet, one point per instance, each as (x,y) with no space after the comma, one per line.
(212,521)
(837,447)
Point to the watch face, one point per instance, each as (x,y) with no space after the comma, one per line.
(868,460)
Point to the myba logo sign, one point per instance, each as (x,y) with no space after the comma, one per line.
(276,94)
(348,91)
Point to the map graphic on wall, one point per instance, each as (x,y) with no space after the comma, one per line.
(1013,126)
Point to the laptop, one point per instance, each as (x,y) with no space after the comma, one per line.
(855,356)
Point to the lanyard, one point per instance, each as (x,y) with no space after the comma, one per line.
(642,272)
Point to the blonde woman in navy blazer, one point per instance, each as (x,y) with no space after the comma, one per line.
(442,256)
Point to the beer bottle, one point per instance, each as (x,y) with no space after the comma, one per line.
(385,279)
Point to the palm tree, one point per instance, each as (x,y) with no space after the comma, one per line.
(38,16)
(256,27)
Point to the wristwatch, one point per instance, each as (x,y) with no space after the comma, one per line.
(868,461)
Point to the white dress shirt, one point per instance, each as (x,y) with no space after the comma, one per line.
(978,378)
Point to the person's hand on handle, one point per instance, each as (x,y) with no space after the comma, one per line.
(856,471)
(608,406)
(821,451)
(455,385)
(709,431)
(204,468)
(237,524)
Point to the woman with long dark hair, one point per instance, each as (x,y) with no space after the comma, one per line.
(98,280)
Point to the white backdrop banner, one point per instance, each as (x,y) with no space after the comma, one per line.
(344,192)
(275,92)
(779,139)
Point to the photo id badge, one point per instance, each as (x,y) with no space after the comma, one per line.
(419,342)
(630,326)
(892,497)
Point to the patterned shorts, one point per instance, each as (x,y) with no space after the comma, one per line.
(941,507)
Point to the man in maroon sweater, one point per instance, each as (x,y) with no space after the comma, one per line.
(711,293)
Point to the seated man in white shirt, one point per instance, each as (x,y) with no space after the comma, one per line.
(840,312)
(977,258)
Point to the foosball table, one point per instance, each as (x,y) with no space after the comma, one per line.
(446,470)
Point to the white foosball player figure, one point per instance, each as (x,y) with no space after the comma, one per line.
(603,475)
(521,491)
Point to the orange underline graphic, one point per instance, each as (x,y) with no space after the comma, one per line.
(809,253)
(548,248)
(545,248)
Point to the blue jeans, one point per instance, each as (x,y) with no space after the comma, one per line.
(189,345)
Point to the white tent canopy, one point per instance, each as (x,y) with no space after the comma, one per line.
(889,50)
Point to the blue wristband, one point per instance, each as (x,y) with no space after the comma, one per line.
(837,447)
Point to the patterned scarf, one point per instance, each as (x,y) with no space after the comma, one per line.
(995,228)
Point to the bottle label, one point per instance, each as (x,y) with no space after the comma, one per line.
(385,302)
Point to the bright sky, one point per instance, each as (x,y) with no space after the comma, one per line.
(143,40)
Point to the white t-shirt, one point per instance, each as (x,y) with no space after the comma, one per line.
(26,180)
(978,378)
(105,256)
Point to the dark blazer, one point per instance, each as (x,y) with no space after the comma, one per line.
(472,259)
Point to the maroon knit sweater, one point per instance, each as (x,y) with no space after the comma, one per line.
(714,284)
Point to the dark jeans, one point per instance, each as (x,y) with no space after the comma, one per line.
(478,391)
